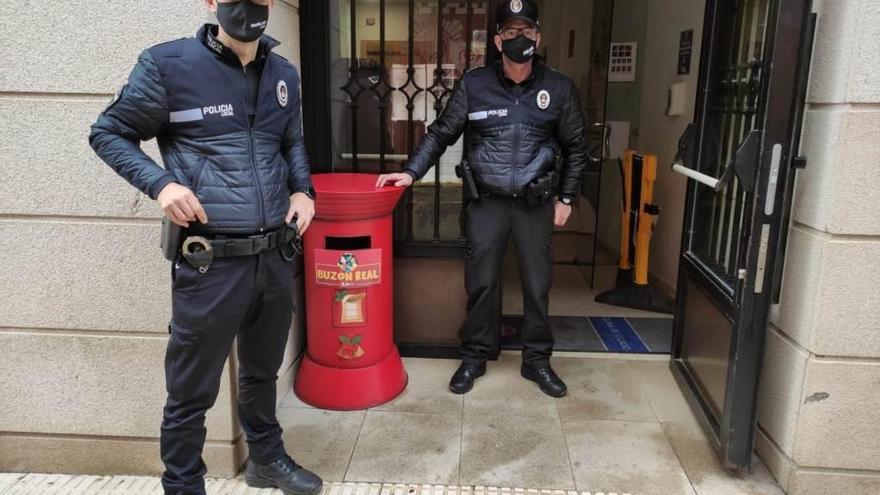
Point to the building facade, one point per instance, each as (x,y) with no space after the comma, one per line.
(84,298)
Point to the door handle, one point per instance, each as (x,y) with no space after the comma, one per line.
(697,176)
(605,144)
(742,163)
(686,155)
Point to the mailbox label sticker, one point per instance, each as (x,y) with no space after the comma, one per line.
(361,268)
(349,307)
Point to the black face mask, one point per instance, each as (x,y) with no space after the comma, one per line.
(519,49)
(243,20)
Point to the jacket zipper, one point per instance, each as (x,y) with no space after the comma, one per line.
(515,155)
(251,153)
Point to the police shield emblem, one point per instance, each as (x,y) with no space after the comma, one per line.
(281,93)
(516,6)
(543,99)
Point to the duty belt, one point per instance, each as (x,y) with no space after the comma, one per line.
(199,251)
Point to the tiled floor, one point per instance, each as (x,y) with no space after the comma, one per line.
(571,294)
(623,428)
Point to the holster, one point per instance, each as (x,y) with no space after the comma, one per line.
(543,188)
(464,172)
(171,239)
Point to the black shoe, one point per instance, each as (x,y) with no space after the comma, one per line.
(463,379)
(285,474)
(546,378)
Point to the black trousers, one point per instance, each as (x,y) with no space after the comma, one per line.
(250,297)
(491,221)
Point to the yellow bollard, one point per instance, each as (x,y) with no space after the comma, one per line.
(626,172)
(639,173)
(648,212)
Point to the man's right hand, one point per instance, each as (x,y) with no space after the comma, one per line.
(181,205)
(398,180)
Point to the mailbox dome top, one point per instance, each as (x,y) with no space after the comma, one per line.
(347,196)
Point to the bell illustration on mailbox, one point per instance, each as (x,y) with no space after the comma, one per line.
(351,361)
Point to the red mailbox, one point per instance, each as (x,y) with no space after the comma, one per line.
(351,361)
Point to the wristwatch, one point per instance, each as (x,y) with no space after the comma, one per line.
(566,200)
(308,191)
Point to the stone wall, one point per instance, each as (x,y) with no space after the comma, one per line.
(85,299)
(819,405)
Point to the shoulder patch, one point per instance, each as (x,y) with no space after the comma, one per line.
(281,93)
(543,99)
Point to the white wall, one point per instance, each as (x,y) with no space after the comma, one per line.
(659,134)
(577,16)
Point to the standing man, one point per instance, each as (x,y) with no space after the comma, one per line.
(226,113)
(519,115)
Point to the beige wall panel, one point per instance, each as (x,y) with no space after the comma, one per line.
(91,385)
(810,482)
(83,275)
(779,396)
(847,302)
(828,294)
(854,192)
(839,421)
(833,50)
(103,457)
(779,465)
(838,192)
(87,46)
(49,167)
(864,77)
(813,205)
(795,315)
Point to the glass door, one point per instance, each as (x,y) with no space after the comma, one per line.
(739,156)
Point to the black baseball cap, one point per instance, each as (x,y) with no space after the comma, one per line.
(526,10)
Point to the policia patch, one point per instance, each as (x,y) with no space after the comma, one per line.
(543,99)
(281,93)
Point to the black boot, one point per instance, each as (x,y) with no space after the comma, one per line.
(284,474)
(463,379)
(546,378)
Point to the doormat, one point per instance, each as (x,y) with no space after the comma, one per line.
(598,334)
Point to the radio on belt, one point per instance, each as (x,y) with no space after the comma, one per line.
(351,361)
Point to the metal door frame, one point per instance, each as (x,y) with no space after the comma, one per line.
(786,56)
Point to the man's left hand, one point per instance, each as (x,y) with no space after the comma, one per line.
(563,211)
(303,207)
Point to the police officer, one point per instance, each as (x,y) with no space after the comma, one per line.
(519,116)
(226,113)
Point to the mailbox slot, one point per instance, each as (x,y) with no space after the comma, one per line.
(348,243)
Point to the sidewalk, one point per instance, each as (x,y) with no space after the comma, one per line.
(624,428)
(58,484)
